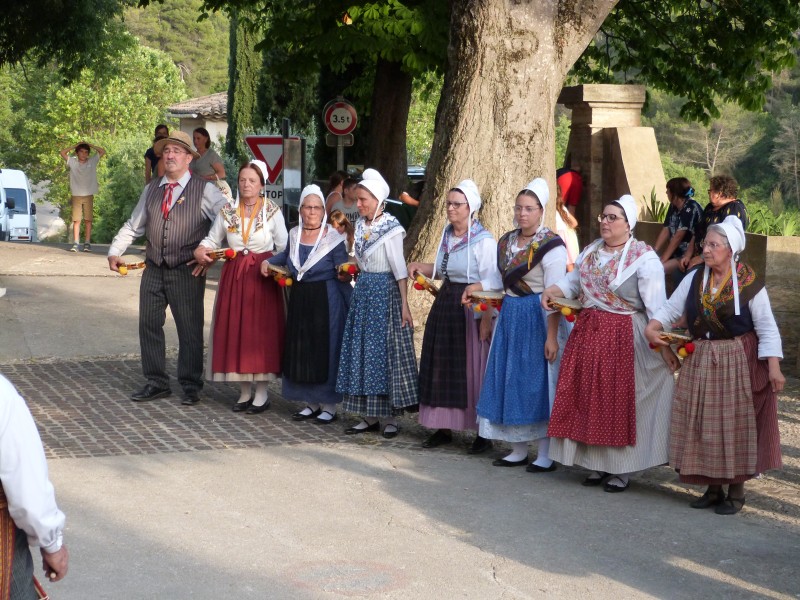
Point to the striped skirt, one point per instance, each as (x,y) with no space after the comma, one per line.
(653,385)
(724,416)
(378,366)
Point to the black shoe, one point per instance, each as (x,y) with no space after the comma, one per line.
(190,397)
(437,438)
(730,506)
(150,392)
(376,426)
(534,468)
(615,489)
(390,434)
(502,462)
(593,481)
(254,410)
(242,406)
(321,421)
(480,445)
(709,499)
(299,416)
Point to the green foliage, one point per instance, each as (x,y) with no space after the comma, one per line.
(243,74)
(115,112)
(655,210)
(197,45)
(785,155)
(702,52)
(563,126)
(73,35)
(766,222)
(421,117)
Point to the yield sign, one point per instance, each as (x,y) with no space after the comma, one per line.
(268,148)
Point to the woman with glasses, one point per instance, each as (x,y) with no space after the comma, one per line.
(522,371)
(724,416)
(378,368)
(317,310)
(612,407)
(456,342)
(247,333)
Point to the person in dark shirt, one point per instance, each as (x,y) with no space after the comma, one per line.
(682,219)
(722,203)
(151,159)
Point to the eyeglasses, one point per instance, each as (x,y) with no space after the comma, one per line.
(306,207)
(608,217)
(526,209)
(171,151)
(455,205)
(713,246)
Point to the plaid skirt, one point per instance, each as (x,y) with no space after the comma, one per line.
(378,366)
(443,364)
(724,416)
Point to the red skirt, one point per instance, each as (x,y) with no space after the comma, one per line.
(596,395)
(248,319)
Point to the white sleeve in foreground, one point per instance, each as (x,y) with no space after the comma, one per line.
(23,472)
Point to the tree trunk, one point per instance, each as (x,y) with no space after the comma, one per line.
(507,62)
(391,100)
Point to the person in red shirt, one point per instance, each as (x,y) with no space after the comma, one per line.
(570,182)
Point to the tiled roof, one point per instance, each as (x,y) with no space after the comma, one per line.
(214,106)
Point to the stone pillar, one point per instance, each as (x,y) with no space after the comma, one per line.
(613,152)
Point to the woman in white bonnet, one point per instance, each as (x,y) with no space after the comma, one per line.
(724,417)
(612,407)
(456,342)
(317,310)
(523,365)
(378,367)
(246,343)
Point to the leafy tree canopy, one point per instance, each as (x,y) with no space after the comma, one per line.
(74,34)
(701,51)
(198,46)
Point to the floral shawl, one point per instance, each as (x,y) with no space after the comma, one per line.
(367,240)
(230,212)
(601,282)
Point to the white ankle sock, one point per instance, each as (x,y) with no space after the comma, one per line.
(244,393)
(519,450)
(261,394)
(310,408)
(543,454)
(328,412)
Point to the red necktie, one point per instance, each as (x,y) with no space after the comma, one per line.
(167,201)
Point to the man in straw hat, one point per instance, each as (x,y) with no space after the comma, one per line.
(174,212)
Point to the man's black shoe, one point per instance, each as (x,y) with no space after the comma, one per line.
(190,398)
(150,392)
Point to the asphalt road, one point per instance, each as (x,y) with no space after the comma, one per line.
(165,501)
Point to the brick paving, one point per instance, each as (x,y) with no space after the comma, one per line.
(82,409)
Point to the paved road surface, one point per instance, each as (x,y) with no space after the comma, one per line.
(165,501)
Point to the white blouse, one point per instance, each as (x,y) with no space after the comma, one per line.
(769,337)
(482,256)
(270,238)
(388,256)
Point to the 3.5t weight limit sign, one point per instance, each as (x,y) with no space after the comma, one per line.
(340,117)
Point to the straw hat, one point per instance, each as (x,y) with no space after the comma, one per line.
(176,138)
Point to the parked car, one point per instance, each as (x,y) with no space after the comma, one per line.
(17,211)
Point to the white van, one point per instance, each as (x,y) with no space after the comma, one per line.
(17,211)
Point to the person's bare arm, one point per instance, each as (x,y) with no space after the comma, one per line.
(100,150)
(55,564)
(65,152)
(662,238)
(674,242)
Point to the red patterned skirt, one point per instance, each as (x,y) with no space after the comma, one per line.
(248,320)
(725,415)
(595,400)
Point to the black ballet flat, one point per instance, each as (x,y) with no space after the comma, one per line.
(242,406)
(299,416)
(376,426)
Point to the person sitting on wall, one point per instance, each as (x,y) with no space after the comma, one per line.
(682,218)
